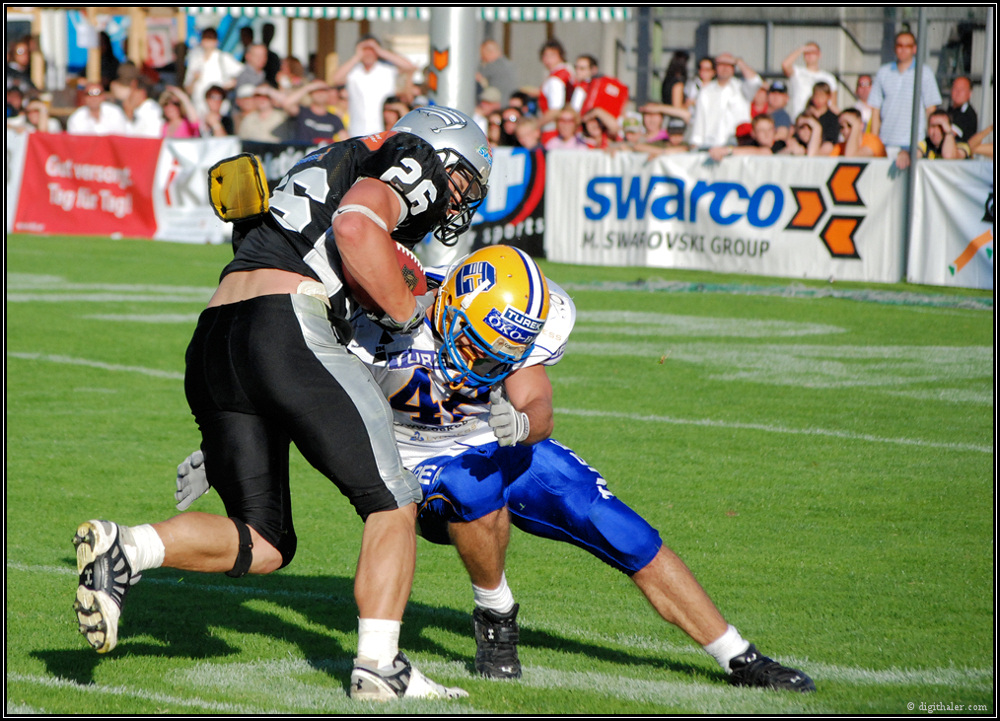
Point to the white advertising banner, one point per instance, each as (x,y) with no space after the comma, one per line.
(952,242)
(821,218)
(180,195)
(16,149)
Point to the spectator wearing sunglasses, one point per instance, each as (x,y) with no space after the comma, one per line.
(97,115)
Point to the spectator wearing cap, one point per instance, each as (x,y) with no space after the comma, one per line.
(309,106)
(862,90)
(266,123)
(819,108)
(777,101)
(803,79)
(724,103)
(762,141)
(244,101)
(97,115)
(496,70)
(207,65)
(371,75)
(857,142)
(490,101)
(805,138)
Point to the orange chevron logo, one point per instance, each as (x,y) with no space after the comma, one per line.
(843,184)
(811,209)
(839,232)
(838,236)
(439,59)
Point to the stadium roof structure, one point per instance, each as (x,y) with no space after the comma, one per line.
(551,13)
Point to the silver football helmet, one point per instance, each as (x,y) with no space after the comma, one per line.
(467,158)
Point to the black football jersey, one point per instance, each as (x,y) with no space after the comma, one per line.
(296,234)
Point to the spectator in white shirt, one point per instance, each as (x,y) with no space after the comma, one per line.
(97,116)
(724,103)
(371,75)
(802,80)
(144,115)
(207,66)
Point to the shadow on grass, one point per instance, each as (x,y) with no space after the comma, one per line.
(177,615)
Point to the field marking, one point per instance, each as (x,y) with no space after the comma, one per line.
(617,322)
(665,691)
(170,375)
(138,693)
(707,422)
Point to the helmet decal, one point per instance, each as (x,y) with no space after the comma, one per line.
(489,311)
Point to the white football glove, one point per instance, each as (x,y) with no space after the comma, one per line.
(192,481)
(509,425)
(424,302)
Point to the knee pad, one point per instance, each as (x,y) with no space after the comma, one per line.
(244,557)
(564,499)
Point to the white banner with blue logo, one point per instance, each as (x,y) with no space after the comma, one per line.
(952,242)
(819,218)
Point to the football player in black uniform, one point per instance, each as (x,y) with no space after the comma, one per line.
(268,366)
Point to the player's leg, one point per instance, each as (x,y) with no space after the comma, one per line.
(463,505)
(342,424)
(249,462)
(562,498)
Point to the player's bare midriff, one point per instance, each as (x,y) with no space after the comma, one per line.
(247,284)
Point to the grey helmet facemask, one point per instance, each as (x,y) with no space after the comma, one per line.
(464,150)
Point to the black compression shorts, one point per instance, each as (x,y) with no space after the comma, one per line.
(268,371)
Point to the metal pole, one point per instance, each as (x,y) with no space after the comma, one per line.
(918,108)
(989,79)
(454,57)
(643,45)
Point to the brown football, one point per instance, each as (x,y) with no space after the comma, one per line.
(409,266)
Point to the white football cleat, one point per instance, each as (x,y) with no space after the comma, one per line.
(401,680)
(105,578)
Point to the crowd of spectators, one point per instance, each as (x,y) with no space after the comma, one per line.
(721,105)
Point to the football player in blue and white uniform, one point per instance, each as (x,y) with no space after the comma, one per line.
(472,410)
(268,366)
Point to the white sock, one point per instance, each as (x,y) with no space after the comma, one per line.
(143,547)
(378,640)
(726,647)
(500,599)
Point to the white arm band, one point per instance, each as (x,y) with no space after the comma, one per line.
(365,211)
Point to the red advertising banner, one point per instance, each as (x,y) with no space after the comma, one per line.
(103,186)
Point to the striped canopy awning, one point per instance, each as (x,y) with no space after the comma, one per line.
(554,13)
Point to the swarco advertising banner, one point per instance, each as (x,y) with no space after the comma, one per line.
(791,217)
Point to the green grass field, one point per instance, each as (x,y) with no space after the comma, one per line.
(822,456)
